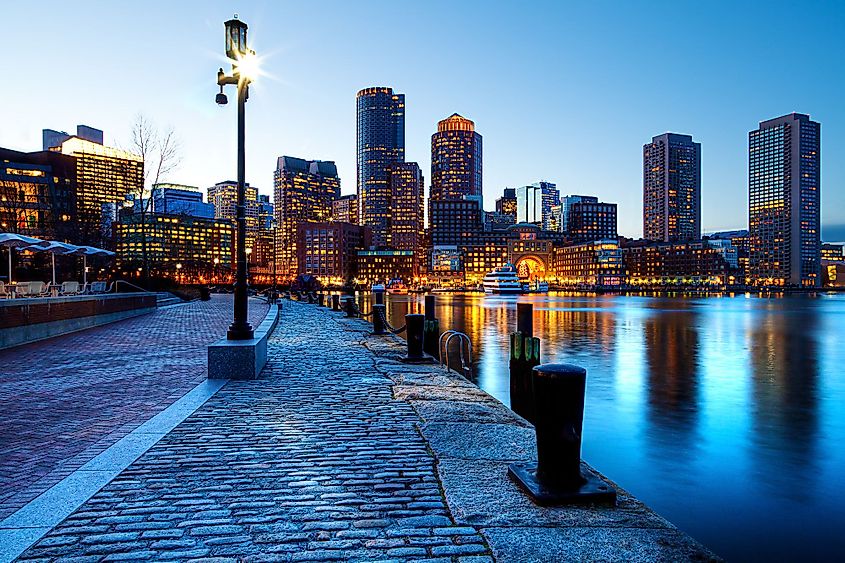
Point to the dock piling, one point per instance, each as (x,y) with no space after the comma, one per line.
(431,330)
(524,355)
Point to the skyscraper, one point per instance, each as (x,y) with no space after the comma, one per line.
(506,205)
(455,159)
(304,191)
(566,203)
(784,156)
(672,188)
(345,209)
(224,197)
(406,220)
(534,203)
(381,142)
(590,221)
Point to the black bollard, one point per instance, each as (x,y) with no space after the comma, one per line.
(349,306)
(335,302)
(378,318)
(557,477)
(321,300)
(524,355)
(431,332)
(379,297)
(415,327)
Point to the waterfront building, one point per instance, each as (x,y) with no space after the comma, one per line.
(177,199)
(783,201)
(830,251)
(591,220)
(38,195)
(456,159)
(566,203)
(595,264)
(304,190)
(380,143)
(534,204)
(190,249)
(652,263)
(455,222)
(530,250)
(833,273)
(104,175)
(328,250)
(672,188)
(445,265)
(406,220)
(345,209)
(495,221)
(506,205)
(728,250)
(383,265)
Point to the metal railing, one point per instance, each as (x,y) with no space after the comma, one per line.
(115,283)
(464,343)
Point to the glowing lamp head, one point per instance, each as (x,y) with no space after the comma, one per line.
(236,47)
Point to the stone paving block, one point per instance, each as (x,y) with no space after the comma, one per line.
(469,440)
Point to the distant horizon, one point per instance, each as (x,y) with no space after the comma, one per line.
(572,104)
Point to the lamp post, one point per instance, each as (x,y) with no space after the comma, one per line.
(241,55)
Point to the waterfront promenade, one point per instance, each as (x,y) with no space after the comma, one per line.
(66,399)
(341,452)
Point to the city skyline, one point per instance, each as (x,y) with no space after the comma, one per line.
(551,131)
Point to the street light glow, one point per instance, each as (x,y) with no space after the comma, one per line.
(248,66)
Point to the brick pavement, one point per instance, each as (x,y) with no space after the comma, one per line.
(66,399)
(317,461)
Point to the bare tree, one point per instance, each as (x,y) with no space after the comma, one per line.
(161,153)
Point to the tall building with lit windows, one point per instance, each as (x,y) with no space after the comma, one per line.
(407,207)
(345,209)
(380,143)
(784,163)
(534,204)
(455,159)
(224,197)
(104,175)
(304,191)
(672,188)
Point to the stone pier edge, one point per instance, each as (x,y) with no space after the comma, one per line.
(473,437)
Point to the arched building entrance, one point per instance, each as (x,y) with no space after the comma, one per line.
(531,267)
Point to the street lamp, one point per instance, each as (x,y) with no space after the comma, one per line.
(242,58)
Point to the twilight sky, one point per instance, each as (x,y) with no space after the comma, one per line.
(561,91)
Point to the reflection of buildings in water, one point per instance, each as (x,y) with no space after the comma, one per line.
(671,351)
(576,330)
(785,371)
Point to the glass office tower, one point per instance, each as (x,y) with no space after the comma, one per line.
(672,188)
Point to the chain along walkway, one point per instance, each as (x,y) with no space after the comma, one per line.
(341,452)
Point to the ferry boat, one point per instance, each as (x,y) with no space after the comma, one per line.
(503,280)
(396,287)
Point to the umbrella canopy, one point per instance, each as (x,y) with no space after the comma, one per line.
(12,240)
(54,247)
(87,251)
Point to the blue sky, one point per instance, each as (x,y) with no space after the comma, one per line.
(561,91)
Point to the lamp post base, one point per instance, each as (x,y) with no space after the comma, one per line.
(240,332)
(592,491)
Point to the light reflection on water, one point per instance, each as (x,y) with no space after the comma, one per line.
(724,414)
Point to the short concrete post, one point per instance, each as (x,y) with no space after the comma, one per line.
(557,478)
(524,355)
(378,318)
(335,302)
(431,332)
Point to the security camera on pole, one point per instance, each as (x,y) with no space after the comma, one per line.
(243,61)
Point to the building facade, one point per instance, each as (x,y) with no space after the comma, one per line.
(224,197)
(454,222)
(383,265)
(589,221)
(380,143)
(407,207)
(104,175)
(456,156)
(191,249)
(345,209)
(654,264)
(784,185)
(830,251)
(304,190)
(595,264)
(534,204)
(506,205)
(38,195)
(672,189)
(328,250)
(178,199)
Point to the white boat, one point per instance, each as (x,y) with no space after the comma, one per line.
(503,280)
(537,286)
(377,287)
(396,287)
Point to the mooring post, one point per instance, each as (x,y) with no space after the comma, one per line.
(431,331)
(349,305)
(379,296)
(335,302)
(415,325)
(524,355)
(378,318)
(557,478)
(321,299)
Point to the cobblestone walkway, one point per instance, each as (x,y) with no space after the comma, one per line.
(315,462)
(66,399)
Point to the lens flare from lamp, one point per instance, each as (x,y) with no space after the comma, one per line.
(248,66)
